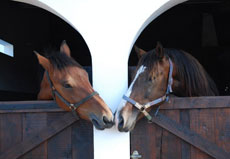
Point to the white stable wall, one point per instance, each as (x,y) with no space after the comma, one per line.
(110,28)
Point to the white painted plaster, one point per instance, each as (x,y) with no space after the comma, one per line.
(110,28)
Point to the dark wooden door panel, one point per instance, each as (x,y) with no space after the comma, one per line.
(73,142)
(206,116)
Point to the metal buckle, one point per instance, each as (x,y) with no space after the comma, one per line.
(72,107)
(142,109)
(139,106)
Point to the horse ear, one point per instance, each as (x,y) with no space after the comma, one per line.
(65,48)
(140,52)
(159,50)
(43,61)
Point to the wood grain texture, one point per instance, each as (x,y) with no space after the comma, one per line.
(173,103)
(202,122)
(191,137)
(11,128)
(207,116)
(28,128)
(33,123)
(47,132)
(197,102)
(185,147)
(171,144)
(29,106)
(59,146)
(149,147)
(82,140)
(222,128)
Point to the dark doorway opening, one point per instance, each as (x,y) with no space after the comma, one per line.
(201,28)
(31,28)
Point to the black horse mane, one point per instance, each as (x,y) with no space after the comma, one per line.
(196,80)
(60,60)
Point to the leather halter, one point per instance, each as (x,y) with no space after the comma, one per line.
(72,106)
(143,107)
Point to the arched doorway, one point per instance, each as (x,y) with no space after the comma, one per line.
(200,28)
(30,28)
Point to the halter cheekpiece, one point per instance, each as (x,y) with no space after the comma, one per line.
(72,106)
(143,107)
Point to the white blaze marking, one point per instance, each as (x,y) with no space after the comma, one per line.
(129,91)
(139,71)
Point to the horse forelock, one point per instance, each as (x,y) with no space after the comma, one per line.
(149,60)
(60,60)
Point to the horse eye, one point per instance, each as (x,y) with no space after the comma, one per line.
(67,85)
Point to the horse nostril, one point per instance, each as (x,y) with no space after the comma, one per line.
(105,119)
(108,123)
(121,123)
(97,122)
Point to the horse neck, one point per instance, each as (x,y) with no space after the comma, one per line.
(178,88)
(45,92)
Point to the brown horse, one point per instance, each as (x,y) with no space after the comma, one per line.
(161,72)
(70,84)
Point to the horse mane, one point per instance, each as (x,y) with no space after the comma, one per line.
(60,60)
(192,75)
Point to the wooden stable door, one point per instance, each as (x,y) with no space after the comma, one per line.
(207,117)
(41,130)
(200,129)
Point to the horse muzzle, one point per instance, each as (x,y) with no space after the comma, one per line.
(124,123)
(101,123)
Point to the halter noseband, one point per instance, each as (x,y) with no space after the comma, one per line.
(143,107)
(72,106)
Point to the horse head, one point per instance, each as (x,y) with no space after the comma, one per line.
(71,83)
(159,73)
